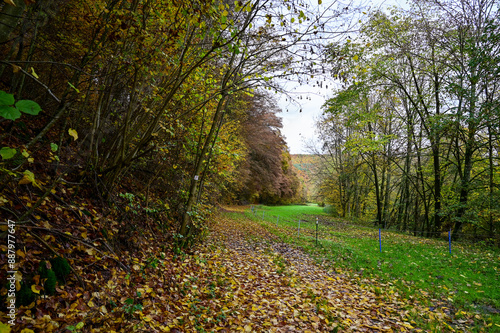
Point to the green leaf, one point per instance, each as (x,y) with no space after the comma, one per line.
(8,112)
(6,99)
(54,147)
(79,326)
(72,86)
(29,107)
(7,153)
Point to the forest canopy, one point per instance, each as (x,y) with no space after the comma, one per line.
(168,101)
(411,138)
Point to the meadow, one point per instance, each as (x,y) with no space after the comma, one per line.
(459,284)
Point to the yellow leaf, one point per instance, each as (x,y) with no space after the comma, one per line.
(15,68)
(73,133)
(84,235)
(10,2)
(20,253)
(355,57)
(4,328)
(24,180)
(34,288)
(248,328)
(28,177)
(33,73)
(27,330)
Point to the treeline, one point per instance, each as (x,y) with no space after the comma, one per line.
(411,139)
(144,99)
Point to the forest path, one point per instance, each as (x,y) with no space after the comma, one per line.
(269,286)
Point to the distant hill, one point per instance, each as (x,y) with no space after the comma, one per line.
(304,166)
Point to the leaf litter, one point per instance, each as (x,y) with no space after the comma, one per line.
(241,278)
(277,288)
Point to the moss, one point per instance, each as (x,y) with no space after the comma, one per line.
(61,267)
(50,276)
(24,296)
(50,283)
(42,268)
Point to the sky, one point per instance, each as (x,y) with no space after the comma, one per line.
(299,128)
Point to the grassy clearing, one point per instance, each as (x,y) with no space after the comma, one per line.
(291,212)
(463,284)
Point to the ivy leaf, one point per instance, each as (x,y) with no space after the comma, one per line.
(7,153)
(8,112)
(29,107)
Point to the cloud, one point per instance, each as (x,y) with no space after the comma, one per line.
(300,127)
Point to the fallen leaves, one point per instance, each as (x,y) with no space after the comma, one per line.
(240,279)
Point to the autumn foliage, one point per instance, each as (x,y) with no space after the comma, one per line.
(123,123)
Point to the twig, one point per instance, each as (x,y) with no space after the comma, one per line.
(36,80)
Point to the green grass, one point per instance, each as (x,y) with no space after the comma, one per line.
(289,215)
(464,282)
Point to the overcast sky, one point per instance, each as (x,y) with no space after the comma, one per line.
(299,128)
